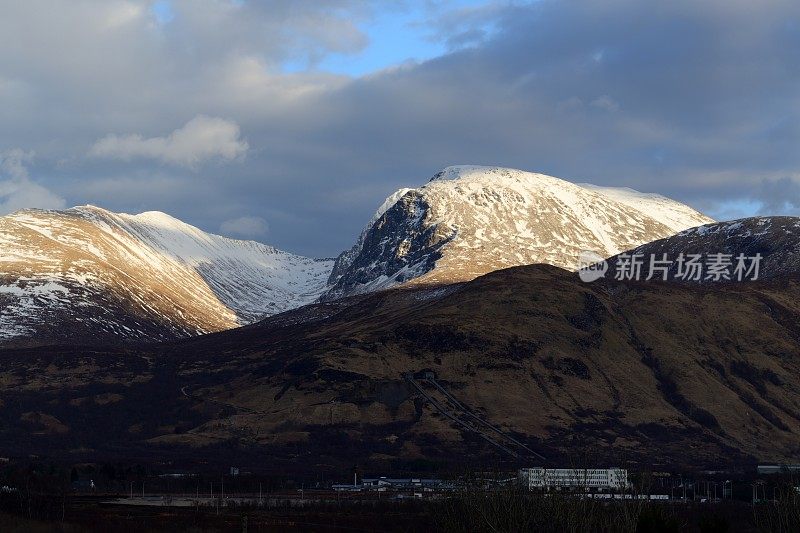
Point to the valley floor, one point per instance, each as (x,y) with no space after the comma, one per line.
(463,513)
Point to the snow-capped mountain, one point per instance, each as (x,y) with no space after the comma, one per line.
(471,220)
(89,274)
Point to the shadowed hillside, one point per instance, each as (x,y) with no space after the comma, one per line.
(636,372)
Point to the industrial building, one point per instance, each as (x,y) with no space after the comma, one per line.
(586,479)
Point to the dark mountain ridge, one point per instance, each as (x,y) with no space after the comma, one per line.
(652,374)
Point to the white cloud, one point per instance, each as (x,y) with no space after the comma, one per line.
(18,191)
(245,227)
(201,139)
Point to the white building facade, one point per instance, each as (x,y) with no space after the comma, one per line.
(574,478)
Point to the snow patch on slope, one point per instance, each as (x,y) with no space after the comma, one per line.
(673,214)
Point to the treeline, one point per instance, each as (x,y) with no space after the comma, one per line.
(36,491)
(515,509)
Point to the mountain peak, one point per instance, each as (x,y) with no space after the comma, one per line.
(470,220)
(149,276)
(156,218)
(483,173)
(455,172)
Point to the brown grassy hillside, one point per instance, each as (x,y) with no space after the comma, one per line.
(653,373)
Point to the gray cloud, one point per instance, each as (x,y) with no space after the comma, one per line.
(695,100)
(605,102)
(13,163)
(781,195)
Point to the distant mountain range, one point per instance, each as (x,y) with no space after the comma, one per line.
(418,346)
(87,275)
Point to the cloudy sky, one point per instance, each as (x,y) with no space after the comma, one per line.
(289,121)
